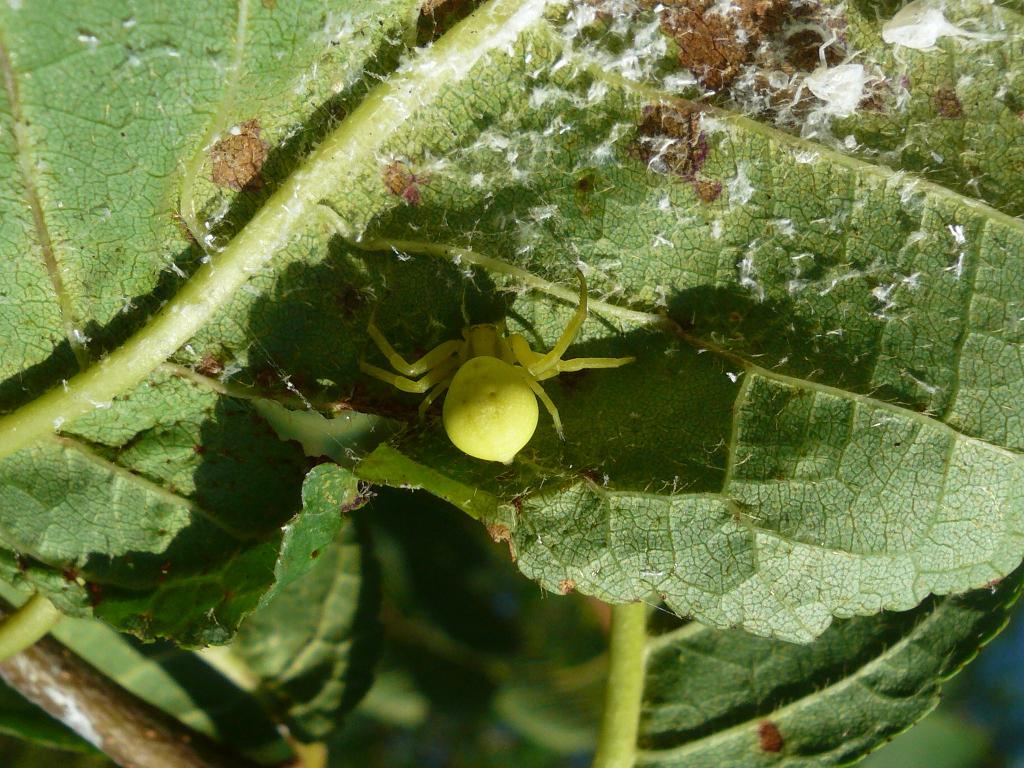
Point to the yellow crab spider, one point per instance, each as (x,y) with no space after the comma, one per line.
(493,382)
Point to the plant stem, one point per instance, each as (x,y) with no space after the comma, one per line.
(27,625)
(468,256)
(130,731)
(353,147)
(616,742)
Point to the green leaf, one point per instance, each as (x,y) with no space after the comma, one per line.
(951,114)
(833,427)
(328,493)
(726,698)
(176,539)
(157,512)
(315,643)
(342,438)
(825,413)
(88,183)
(154,513)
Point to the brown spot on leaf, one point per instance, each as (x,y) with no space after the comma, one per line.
(802,50)
(707,190)
(270,5)
(165,568)
(183,227)
(671,139)
(873,101)
(769,737)
(70,573)
(238,158)
(314,554)
(947,104)
(584,186)
(95,592)
(403,183)
(364,493)
(210,366)
(714,44)
(565,586)
(499,532)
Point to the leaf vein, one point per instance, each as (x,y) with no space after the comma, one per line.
(26,165)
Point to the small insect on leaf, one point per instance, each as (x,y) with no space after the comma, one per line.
(492,381)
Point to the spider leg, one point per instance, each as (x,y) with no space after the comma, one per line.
(580,363)
(538,390)
(431,359)
(434,393)
(550,359)
(417,386)
(522,352)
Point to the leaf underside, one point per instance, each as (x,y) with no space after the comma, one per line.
(826,420)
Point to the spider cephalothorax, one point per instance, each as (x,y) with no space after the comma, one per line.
(493,382)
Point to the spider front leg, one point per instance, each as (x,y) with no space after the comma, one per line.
(437,365)
(582,363)
(430,360)
(551,358)
(529,359)
(415,386)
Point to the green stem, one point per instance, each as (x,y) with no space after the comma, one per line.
(27,625)
(616,742)
(356,144)
(469,256)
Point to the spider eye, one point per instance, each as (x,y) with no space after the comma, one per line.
(490,411)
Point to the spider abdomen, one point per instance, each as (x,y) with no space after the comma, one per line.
(490,411)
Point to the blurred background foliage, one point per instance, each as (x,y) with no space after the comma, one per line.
(481,668)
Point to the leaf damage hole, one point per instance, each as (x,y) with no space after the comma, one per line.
(238,158)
